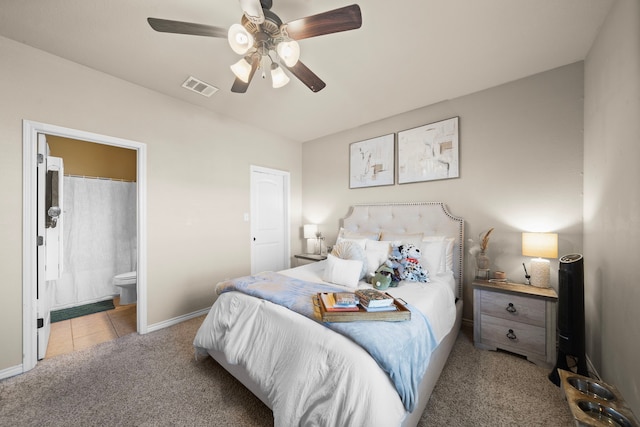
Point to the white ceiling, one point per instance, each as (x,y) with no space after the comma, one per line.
(408,53)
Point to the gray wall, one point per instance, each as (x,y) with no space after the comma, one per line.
(197,176)
(612,200)
(520,168)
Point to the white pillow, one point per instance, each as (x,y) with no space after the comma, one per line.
(431,255)
(346,234)
(429,248)
(377,253)
(352,250)
(414,238)
(360,242)
(448,257)
(345,272)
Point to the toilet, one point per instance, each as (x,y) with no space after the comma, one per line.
(127,284)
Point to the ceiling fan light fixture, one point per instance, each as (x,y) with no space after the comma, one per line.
(239,39)
(278,76)
(242,70)
(252,10)
(289,52)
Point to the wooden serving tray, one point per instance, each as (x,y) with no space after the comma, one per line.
(401,314)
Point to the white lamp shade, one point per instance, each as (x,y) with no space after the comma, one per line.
(242,70)
(252,10)
(542,245)
(239,39)
(289,52)
(310,231)
(278,77)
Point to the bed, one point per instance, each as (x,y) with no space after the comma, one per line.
(313,373)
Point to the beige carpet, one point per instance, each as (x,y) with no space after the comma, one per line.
(488,388)
(153,380)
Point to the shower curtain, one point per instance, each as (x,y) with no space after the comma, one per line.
(100,239)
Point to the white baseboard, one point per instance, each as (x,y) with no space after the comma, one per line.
(11,372)
(176,320)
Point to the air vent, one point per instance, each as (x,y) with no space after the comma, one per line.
(198,86)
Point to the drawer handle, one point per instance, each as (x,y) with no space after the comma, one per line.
(511,335)
(510,308)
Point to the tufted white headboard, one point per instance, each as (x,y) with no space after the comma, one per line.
(429,218)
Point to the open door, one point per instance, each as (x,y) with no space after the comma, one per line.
(50,235)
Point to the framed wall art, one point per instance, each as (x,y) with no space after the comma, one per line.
(429,152)
(371,162)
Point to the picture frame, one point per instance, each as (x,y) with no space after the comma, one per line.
(372,162)
(429,152)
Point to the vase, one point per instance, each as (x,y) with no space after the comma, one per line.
(482,263)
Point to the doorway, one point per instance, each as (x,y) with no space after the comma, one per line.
(99,228)
(270,222)
(32,304)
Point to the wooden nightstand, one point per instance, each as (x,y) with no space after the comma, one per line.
(517,318)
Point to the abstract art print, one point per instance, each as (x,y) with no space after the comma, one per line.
(429,152)
(371,162)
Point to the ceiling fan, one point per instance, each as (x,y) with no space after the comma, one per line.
(265,42)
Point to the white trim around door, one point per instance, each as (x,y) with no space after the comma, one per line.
(30,131)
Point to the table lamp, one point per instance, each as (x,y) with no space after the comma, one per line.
(311,234)
(540,245)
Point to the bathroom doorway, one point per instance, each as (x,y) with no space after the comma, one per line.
(34,299)
(100,242)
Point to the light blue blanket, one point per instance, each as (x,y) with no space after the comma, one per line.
(401,349)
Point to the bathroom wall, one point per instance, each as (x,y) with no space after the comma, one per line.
(96,160)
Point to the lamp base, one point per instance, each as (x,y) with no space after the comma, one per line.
(311,246)
(540,272)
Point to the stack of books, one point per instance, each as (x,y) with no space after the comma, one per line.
(374,300)
(349,307)
(340,301)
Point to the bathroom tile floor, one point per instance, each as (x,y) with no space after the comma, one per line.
(83,332)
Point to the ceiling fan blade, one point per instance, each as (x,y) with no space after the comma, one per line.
(240,86)
(334,21)
(179,27)
(306,76)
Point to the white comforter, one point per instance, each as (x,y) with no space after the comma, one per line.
(310,374)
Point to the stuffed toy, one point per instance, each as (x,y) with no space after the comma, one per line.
(394,262)
(404,261)
(382,278)
(412,268)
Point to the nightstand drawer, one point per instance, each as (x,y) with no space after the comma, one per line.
(518,337)
(513,307)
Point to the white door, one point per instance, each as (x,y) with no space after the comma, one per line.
(269,220)
(49,225)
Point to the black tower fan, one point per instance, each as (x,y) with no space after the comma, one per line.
(570,316)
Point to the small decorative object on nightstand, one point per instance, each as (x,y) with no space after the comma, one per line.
(479,251)
(515,317)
